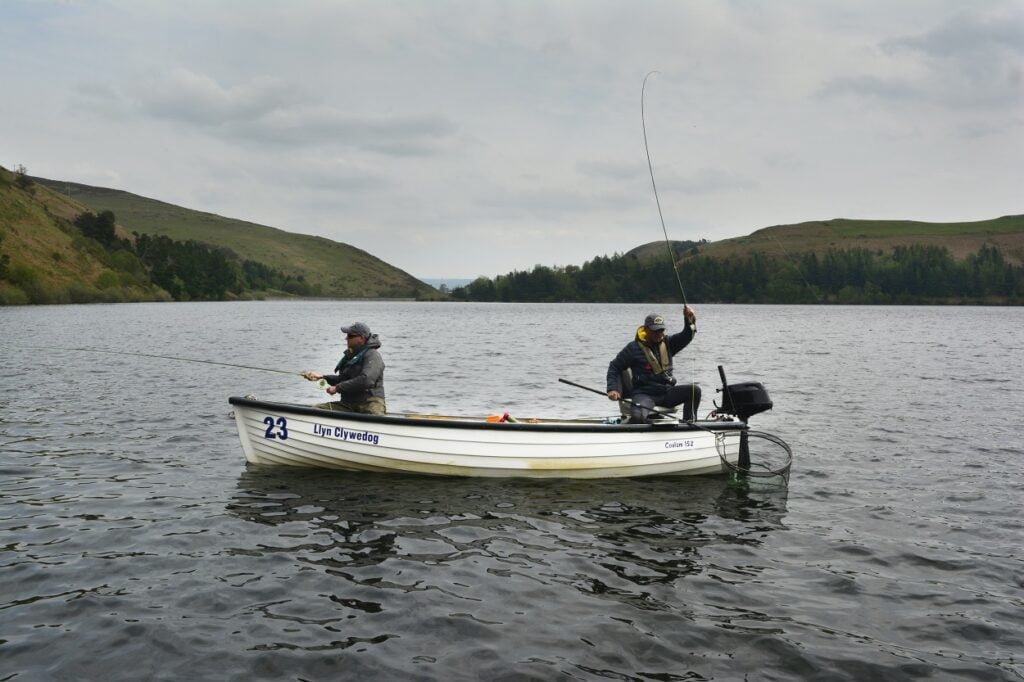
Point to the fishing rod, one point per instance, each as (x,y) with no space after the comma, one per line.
(661,410)
(166,357)
(692,322)
(654,186)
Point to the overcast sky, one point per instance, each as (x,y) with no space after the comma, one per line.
(455,139)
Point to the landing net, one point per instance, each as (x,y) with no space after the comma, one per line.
(766,461)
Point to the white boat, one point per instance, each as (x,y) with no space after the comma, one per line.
(281,433)
(277,433)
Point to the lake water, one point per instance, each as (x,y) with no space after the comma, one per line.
(135,543)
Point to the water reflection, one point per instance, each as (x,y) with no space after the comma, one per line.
(499,566)
(641,532)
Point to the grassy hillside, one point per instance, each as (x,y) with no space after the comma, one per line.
(784,241)
(336,269)
(50,261)
(961,239)
(47,261)
(659,250)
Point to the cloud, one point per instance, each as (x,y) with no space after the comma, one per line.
(550,203)
(966,35)
(408,127)
(969,61)
(266,110)
(336,176)
(705,181)
(978,129)
(320,125)
(311,173)
(99,98)
(611,170)
(635,177)
(183,95)
(879,87)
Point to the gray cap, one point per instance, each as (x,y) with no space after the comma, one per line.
(357,328)
(654,322)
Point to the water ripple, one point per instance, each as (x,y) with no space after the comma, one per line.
(131,526)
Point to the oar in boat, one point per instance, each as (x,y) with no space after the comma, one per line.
(660,410)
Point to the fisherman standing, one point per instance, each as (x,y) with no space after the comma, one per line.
(358,380)
(649,359)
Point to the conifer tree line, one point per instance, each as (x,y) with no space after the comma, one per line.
(149,267)
(192,270)
(906,275)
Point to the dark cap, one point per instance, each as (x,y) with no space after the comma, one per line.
(654,322)
(357,328)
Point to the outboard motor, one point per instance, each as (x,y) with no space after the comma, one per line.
(743,400)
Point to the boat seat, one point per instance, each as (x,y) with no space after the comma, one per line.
(626,380)
(626,409)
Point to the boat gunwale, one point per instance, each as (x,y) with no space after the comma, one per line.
(455,422)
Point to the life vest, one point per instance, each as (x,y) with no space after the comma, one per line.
(660,364)
(353,359)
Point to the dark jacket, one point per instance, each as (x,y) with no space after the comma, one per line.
(633,358)
(360,373)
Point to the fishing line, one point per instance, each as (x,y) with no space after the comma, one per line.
(664,230)
(799,270)
(163,357)
(654,186)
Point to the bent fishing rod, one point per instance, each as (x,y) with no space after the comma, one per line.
(692,322)
(654,186)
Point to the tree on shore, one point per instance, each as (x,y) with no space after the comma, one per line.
(99,227)
(909,274)
(22,179)
(5,261)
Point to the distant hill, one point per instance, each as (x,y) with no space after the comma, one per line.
(834,261)
(818,236)
(44,258)
(658,250)
(961,239)
(451,283)
(333,268)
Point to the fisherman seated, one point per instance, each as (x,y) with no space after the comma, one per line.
(648,361)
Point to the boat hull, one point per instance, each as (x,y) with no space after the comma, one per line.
(285,434)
